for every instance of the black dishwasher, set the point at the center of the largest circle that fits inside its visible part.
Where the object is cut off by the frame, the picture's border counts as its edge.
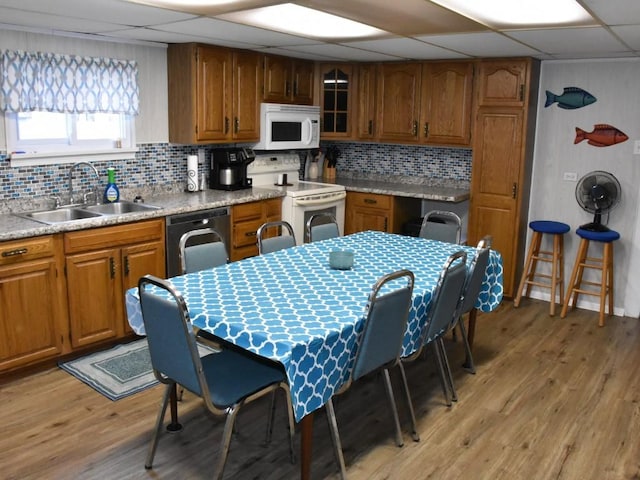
(178, 225)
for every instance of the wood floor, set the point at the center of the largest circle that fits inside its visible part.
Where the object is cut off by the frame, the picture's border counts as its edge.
(552, 399)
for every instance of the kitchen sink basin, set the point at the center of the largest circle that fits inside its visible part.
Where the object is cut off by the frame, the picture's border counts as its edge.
(83, 212)
(59, 215)
(119, 208)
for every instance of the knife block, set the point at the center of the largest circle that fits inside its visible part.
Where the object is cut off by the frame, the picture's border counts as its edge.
(329, 173)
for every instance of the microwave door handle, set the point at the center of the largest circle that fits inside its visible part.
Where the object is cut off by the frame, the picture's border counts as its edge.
(306, 131)
(320, 201)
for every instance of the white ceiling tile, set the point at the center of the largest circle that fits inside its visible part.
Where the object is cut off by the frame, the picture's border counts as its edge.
(405, 48)
(344, 53)
(212, 28)
(54, 22)
(487, 44)
(151, 35)
(594, 40)
(629, 34)
(298, 54)
(616, 12)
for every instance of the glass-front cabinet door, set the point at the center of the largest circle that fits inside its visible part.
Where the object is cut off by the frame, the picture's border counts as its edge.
(336, 98)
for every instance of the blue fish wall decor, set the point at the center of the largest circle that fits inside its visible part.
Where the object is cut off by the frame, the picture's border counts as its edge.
(571, 98)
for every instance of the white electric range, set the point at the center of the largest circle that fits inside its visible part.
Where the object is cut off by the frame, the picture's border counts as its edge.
(303, 198)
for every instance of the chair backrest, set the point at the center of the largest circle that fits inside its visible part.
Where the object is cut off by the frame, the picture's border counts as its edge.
(322, 226)
(445, 303)
(441, 225)
(386, 317)
(475, 275)
(201, 249)
(281, 241)
(172, 344)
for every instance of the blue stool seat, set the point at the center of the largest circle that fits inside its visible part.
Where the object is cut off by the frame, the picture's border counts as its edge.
(530, 276)
(549, 226)
(604, 264)
(608, 236)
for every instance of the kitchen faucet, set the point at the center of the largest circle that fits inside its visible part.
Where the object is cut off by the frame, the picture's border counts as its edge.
(95, 189)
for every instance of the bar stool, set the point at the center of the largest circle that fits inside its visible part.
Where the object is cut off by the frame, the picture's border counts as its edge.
(554, 257)
(604, 264)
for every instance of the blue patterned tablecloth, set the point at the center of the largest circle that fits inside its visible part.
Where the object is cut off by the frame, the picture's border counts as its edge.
(290, 306)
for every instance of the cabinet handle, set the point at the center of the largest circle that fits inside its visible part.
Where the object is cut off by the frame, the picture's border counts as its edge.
(13, 253)
(522, 92)
(126, 264)
(514, 190)
(386, 224)
(295, 89)
(112, 267)
(415, 128)
(370, 127)
(226, 125)
(236, 124)
(426, 129)
(370, 201)
(287, 89)
(250, 234)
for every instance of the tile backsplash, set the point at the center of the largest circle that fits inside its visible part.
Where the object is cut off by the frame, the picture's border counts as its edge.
(163, 165)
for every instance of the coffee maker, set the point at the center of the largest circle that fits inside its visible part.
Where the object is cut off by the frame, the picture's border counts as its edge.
(229, 168)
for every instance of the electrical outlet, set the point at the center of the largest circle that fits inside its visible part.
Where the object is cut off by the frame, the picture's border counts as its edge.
(636, 147)
(570, 176)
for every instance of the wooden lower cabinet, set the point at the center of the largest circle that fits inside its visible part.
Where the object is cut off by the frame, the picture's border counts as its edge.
(246, 218)
(33, 307)
(101, 264)
(385, 213)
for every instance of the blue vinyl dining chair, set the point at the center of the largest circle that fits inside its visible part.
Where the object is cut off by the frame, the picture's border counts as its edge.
(278, 242)
(200, 249)
(445, 305)
(441, 225)
(225, 381)
(379, 347)
(322, 226)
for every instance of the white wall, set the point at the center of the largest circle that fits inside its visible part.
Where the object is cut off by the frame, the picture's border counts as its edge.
(614, 84)
(152, 124)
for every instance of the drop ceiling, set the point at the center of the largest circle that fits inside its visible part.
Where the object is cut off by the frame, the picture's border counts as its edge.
(417, 29)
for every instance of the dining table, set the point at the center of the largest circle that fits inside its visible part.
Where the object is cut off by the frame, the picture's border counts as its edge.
(291, 307)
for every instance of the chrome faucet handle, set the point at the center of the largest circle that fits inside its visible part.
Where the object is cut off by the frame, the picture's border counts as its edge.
(57, 199)
(87, 194)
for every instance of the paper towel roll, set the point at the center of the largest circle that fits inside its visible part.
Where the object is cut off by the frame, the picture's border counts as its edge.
(192, 173)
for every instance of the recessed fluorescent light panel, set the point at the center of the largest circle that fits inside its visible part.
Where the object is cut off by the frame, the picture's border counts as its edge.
(520, 14)
(297, 20)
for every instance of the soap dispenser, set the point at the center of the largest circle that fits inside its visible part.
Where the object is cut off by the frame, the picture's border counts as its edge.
(111, 193)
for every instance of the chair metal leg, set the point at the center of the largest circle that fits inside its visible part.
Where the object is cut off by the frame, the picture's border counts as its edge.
(156, 433)
(292, 423)
(226, 441)
(443, 381)
(468, 364)
(394, 407)
(271, 417)
(405, 385)
(335, 436)
(447, 369)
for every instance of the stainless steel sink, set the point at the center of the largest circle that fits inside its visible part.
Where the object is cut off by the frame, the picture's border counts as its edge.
(119, 208)
(59, 215)
(83, 212)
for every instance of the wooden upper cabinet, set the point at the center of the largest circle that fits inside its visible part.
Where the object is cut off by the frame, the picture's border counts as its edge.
(336, 96)
(446, 103)
(365, 92)
(214, 94)
(287, 80)
(502, 83)
(398, 95)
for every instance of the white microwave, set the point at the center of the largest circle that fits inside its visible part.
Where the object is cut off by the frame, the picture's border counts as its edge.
(288, 127)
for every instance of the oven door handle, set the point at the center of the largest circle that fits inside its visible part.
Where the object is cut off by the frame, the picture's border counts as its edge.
(324, 199)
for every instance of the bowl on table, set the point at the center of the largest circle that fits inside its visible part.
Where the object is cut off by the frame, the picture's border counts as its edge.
(341, 259)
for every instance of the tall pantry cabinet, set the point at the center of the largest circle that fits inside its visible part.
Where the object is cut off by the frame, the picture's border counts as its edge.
(506, 97)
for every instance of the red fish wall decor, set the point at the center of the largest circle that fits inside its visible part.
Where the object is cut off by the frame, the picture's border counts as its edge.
(603, 135)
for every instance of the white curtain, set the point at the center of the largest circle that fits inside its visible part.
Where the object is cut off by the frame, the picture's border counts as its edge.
(31, 81)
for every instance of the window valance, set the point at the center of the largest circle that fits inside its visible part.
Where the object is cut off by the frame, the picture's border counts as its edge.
(36, 81)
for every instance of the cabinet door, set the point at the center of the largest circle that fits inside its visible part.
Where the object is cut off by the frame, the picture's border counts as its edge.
(213, 89)
(366, 102)
(494, 184)
(277, 78)
(31, 312)
(302, 79)
(336, 89)
(399, 101)
(502, 83)
(95, 297)
(446, 103)
(361, 219)
(247, 91)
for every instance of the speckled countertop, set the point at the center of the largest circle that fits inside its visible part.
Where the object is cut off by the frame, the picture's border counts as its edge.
(171, 203)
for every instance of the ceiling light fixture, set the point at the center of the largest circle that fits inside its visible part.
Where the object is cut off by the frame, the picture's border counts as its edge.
(291, 18)
(523, 13)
